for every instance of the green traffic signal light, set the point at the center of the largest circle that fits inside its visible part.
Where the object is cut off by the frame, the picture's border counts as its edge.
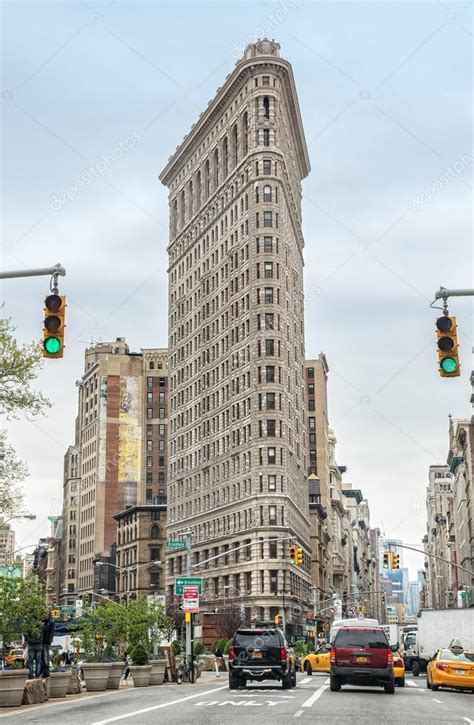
(52, 345)
(448, 365)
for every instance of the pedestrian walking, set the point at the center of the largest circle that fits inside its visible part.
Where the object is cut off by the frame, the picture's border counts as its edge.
(48, 634)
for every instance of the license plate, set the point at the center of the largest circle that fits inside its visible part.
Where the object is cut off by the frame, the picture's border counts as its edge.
(459, 672)
(362, 659)
(257, 655)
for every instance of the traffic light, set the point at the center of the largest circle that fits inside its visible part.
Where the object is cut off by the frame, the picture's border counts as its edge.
(448, 350)
(55, 613)
(293, 550)
(53, 326)
(386, 560)
(395, 560)
(384, 598)
(278, 620)
(299, 556)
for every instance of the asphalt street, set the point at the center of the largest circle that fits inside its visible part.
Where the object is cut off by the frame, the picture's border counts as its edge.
(212, 702)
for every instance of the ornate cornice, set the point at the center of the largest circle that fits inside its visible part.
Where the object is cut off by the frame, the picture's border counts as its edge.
(234, 82)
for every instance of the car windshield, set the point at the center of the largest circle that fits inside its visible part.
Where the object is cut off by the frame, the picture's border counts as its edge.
(447, 655)
(371, 639)
(259, 639)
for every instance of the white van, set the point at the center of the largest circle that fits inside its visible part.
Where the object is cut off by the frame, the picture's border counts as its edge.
(354, 622)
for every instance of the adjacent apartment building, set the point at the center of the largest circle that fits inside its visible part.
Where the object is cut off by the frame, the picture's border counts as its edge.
(118, 460)
(238, 468)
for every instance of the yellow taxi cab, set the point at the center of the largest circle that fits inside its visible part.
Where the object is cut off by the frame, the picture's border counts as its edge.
(16, 654)
(452, 667)
(319, 661)
(398, 668)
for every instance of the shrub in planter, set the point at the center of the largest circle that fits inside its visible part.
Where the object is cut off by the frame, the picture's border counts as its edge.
(198, 649)
(140, 669)
(59, 680)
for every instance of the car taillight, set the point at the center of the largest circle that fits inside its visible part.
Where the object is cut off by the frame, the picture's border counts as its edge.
(390, 658)
(440, 666)
(333, 655)
(283, 653)
(231, 653)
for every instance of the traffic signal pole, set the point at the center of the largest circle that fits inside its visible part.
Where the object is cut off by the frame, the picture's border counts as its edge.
(443, 293)
(54, 272)
(189, 624)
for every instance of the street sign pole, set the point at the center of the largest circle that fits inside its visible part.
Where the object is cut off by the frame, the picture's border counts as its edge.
(189, 624)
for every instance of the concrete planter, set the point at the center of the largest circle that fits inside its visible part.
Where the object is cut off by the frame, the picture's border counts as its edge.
(141, 675)
(12, 686)
(59, 683)
(96, 675)
(157, 672)
(115, 674)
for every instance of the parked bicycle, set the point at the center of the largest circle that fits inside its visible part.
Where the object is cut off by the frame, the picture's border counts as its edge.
(186, 672)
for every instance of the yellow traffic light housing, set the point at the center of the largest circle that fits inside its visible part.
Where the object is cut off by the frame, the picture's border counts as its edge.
(299, 556)
(448, 348)
(293, 550)
(395, 560)
(386, 559)
(53, 326)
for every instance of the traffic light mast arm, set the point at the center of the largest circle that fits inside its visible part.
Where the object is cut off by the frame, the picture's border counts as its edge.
(58, 269)
(255, 542)
(435, 556)
(443, 293)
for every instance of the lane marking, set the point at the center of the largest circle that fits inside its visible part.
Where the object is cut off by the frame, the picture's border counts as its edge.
(326, 682)
(471, 722)
(315, 696)
(299, 713)
(305, 681)
(440, 701)
(83, 698)
(411, 683)
(158, 707)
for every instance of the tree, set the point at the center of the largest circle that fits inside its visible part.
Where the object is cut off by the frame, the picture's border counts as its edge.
(22, 607)
(19, 366)
(230, 618)
(12, 473)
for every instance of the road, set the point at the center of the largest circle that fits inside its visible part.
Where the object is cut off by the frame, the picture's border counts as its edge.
(212, 702)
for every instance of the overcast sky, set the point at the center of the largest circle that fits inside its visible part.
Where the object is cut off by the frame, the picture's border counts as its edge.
(385, 96)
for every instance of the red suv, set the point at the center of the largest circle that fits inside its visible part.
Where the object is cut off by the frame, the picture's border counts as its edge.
(361, 656)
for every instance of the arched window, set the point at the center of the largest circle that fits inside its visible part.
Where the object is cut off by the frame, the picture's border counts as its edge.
(267, 192)
(245, 145)
(206, 180)
(225, 157)
(234, 145)
(215, 180)
(198, 190)
(155, 532)
(266, 107)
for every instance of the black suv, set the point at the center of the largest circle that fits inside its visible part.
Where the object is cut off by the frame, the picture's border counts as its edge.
(260, 654)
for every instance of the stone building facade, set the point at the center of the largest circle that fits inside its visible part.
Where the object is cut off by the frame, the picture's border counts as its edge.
(141, 543)
(70, 519)
(461, 513)
(7, 543)
(238, 463)
(439, 501)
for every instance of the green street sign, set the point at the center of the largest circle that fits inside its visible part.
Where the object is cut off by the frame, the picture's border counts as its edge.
(187, 581)
(175, 544)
